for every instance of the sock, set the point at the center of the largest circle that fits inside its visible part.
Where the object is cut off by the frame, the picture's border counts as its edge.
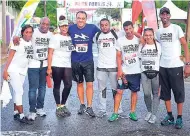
(170, 114)
(15, 112)
(179, 116)
(21, 115)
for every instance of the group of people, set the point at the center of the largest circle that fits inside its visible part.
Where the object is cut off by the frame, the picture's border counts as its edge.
(129, 60)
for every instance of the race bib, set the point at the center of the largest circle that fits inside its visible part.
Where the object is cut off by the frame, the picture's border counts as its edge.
(41, 53)
(131, 60)
(106, 45)
(70, 48)
(81, 47)
(148, 64)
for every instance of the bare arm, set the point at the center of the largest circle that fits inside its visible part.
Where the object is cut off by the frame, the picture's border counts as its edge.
(186, 49)
(50, 54)
(10, 57)
(187, 57)
(119, 63)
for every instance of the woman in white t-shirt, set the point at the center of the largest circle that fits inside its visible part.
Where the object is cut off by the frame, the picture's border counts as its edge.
(149, 55)
(16, 70)
(59, 66)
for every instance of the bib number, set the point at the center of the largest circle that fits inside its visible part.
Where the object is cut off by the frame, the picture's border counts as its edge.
(106, 45)
(81, 47)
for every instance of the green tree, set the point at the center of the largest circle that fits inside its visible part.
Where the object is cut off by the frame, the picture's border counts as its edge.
(51, 11)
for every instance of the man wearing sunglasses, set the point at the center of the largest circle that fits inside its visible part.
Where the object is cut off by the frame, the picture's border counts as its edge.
(171, 37)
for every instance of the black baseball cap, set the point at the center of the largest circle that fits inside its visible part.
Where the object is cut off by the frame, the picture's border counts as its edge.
(164, 9)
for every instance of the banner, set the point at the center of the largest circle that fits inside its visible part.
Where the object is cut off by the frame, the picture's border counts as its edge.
(149, 11)
(24, 17)
(136, 10)
(93, 3)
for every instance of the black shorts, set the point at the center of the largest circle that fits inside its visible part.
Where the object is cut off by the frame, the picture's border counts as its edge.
(83, 70)
(172, 78)
(133, 82)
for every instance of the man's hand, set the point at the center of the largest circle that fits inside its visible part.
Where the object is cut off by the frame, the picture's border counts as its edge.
(49, 72)
(187, 71)
(16, 40)
(119, 74)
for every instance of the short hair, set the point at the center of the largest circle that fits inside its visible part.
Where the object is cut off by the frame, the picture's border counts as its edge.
(104, 19)
(43, 18)
(26, 27)
(62, 17)
(127, 23)
(83, 12)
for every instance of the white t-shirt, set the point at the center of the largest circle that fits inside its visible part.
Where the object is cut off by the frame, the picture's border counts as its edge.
(150, 57)
(61, 55)
(20, 61)
(106, 51)
(129, 50)
(169, 39)
(40, 43)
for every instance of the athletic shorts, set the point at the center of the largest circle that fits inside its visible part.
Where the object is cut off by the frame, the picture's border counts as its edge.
(172, 78)
(81, 70)
(133, 82)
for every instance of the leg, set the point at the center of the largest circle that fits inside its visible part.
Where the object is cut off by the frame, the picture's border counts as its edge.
(146, 84)
(67, 80)
(80, 91)
(117, 100)
(155, 92)
(177, 80)
(33, 78)
(113, 82)
(77, 73)
(42, 88)
(133, 101)
(17, 81)
(56, 74)
(89, 93)
(102, 80)
(165, 94)
(88, 70)
(134, 86)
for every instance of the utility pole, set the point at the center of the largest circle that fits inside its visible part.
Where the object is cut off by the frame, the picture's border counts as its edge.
(3, 26)
(45, 11)
(188, 25)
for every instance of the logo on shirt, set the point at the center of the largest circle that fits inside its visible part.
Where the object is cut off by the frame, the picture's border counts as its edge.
(82, 36)
(166, 37)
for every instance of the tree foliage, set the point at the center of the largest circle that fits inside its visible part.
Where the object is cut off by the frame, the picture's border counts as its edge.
(50, 8)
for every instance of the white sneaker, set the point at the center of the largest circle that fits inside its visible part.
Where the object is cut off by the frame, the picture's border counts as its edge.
(41, 112)
(32, 116)
(152, 119)
(148, 115)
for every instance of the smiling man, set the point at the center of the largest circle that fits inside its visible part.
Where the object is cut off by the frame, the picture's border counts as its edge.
(82, 59)
(171, 37)
(129, 68)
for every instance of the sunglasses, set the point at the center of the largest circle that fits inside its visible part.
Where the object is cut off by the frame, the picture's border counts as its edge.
(147, 29)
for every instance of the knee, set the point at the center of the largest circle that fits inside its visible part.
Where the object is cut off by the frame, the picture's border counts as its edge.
(119, 92)
(133, 94)
(68, 86)
(89, 85)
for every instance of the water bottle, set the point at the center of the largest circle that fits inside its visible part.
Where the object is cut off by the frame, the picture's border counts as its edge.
(120, 83)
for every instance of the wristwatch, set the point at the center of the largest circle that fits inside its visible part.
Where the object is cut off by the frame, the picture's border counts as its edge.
(187, 63)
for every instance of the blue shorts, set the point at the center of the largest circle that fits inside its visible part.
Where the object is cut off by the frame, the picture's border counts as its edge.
(133, 82)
